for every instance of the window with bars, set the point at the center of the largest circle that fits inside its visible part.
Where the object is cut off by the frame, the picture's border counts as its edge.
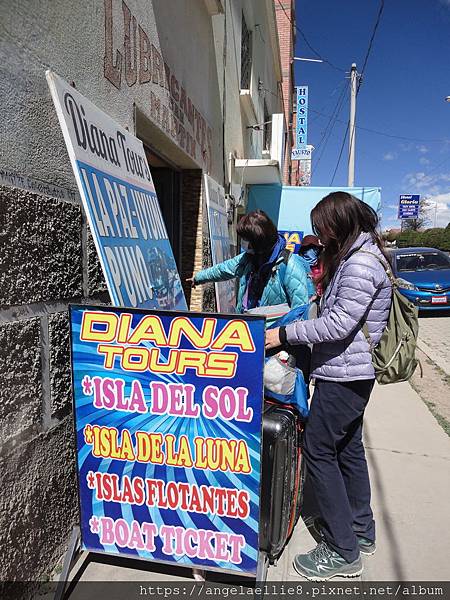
(246, 55)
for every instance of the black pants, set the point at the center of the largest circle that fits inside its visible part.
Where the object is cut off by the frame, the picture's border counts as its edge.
(336, 463)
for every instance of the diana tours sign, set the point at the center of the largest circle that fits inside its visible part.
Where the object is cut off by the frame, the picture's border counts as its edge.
(168, 409)
(409, 206)
(120, 202)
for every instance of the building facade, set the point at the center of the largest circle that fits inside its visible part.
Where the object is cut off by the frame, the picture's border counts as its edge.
(200, 83)
(285, 13)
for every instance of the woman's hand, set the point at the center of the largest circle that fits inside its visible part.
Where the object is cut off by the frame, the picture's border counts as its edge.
(191, 280)
(272, 338)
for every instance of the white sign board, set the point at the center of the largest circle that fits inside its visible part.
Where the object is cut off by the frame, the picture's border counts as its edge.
(220, 242)
(119, 198)
(301, 153)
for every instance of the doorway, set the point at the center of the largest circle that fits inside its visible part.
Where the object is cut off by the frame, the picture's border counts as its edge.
(167, 182)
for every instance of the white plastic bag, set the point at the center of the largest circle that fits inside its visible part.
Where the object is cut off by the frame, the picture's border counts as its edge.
(280, 374)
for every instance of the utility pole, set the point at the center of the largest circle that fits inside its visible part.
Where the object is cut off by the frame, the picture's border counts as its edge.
(352, 129)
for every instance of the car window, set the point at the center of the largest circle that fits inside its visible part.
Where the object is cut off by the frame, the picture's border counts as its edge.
(422, 261)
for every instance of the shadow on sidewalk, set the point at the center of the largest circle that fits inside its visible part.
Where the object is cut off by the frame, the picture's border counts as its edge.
(442, 312)
(390, 545)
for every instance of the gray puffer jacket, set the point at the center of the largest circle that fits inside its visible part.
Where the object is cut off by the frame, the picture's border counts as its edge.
(359, 291)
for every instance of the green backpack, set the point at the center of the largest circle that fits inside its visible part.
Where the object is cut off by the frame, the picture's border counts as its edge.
(394, 357)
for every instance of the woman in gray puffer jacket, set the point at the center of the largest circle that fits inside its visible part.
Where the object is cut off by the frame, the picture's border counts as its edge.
(357, 291)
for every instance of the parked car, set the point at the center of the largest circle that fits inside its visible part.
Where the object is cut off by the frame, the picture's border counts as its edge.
(423, 275)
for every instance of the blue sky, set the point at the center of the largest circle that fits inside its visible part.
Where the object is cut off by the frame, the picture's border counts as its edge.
(402, 94)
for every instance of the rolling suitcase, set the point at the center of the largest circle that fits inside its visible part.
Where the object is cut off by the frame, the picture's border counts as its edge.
(281, 480)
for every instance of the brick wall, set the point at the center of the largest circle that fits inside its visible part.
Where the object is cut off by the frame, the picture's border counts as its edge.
(196, 253)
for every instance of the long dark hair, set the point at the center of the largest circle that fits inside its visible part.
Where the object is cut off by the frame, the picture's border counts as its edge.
(257, 228)
(338, 220)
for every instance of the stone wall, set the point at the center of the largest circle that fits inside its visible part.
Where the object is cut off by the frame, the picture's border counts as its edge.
(47, 261)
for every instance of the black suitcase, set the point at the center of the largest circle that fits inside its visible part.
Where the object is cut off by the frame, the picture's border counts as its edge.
(281, 477)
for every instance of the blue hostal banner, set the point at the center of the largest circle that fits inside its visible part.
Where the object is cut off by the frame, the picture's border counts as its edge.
(301, 129)
(168, 410)
(290, 207)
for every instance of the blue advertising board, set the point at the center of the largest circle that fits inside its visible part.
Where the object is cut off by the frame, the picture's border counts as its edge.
(290, 207)
(168, 412)
(120, 202)
(293, 239)
(409, 206)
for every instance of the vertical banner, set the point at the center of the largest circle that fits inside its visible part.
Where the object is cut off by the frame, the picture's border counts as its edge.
(220, 242)
(168, 412)
(301, 127)
(120, 202)
(409, 206)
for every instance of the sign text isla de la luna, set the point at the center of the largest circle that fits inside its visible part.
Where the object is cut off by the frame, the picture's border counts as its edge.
(168, 419)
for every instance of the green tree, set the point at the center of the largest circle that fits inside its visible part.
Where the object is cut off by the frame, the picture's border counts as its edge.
(422, 220)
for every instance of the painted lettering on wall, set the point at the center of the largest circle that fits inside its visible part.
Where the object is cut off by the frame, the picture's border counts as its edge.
(138, 61)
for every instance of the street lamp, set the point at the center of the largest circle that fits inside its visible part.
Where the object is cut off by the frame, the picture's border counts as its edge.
(312, 60)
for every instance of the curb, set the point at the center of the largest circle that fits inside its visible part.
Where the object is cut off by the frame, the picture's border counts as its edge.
(434, 356)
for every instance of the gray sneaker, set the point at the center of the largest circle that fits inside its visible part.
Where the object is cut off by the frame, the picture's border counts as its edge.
(323, 563)
(366, 546)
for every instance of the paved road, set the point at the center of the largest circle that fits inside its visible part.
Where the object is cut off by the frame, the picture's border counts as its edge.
(434, 340)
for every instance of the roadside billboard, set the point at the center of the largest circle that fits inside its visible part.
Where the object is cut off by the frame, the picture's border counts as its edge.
(220, 242)
(168, 412)
(120, 202)
(408, 206)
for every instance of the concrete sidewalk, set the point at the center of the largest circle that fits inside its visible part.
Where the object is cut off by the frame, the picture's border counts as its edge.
(409, 458)
(409, 462)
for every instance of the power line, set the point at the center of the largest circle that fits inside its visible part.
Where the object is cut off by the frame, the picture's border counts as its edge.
(369, 49)
(334, 112)
(330, 126)
(397, 137)
(325, 60)
(433, 168)
(366, 59)
(340, 153)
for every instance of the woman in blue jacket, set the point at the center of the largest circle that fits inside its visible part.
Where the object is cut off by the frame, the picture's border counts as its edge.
(268, 273)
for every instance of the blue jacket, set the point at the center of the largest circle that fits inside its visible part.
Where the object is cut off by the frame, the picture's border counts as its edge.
(293, 288)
